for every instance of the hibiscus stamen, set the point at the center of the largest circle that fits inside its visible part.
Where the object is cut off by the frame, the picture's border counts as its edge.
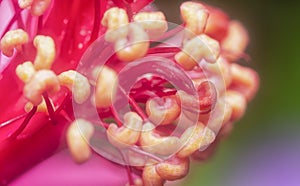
(116, 115)
(40, 23)
(46, 52)
(20, 20)
(158, 50)
(12, 120)
(154, 23)
(42, 81)
(78, 135)
(150, 141)
(76, 83)
(49, 107)
(66, 116)
(67, 41)
(195, 16)
(126, 135)
(138, 5)
(129, 10)
(97, 19)
(135, 106)
(196, 49)
(106, 86)
(25, 71)
(163, 110)
(24, 124)
(13, 39)
(157, 106)
(63, 104)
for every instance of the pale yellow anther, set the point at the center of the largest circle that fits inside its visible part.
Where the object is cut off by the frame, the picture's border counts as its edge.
(218, 117)
(195, 16)
(13, 39)
(25, 71)
(115, 19)
(78, 135)
(220, 68)
(128, 134)
(42, 81)
(154, 23)
(38, 7)
(45, 52)
(77, 83)
(196, 49)
(25, 3)
(106, 87)
(154, 143)
(162, 111)
(237, 102)
(236, 41)
(188, 102)
(151, 177)
(194, 138)
(173, 169)
(244, 80)
(134, 46)
(42, 107)
(219, 73)
(95, 72)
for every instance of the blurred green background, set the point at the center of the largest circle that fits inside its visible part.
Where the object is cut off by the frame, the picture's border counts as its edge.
(267, 138)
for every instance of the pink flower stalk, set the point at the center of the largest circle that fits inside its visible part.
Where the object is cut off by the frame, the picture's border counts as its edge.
(112, 78)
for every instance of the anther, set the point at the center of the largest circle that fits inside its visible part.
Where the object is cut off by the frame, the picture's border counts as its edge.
(195, 16)
(196, 49)
(173, 168)
(25, 3)
(156, 144)
(128, 134)
(203, 102)
(235, 42)
(134, 46)
(115, 19)
(25, 71)
(45, 52)
(78, 135)
(221, 73)
(237, 102)
(244, 80)
(38, 7)
(151, 177)
(77, 84)
(42, 81)
(42, 107)
(154, 23)
(106, 87)
(162, 111)
(194, 138)
(13, 39)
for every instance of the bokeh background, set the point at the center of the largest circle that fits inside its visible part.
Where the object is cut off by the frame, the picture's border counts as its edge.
(264, 148)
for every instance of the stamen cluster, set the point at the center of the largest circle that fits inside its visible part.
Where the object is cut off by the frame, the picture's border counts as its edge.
(166, 126)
